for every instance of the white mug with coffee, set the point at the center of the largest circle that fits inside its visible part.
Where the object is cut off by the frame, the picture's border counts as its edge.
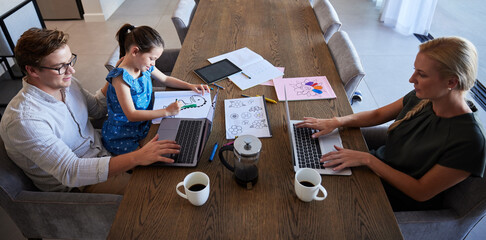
(308, 184)
(196, 188)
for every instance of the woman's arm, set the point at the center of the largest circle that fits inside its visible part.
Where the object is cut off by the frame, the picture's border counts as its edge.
(177, 83)
(134, 115)
(436, 180)
(361, 119)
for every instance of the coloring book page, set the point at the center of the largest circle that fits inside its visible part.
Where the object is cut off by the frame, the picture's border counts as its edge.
(197, 105)
(303, 88)
(246, 116)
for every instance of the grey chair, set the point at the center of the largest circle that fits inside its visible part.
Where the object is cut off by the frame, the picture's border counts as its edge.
(347, 62)
(58, 215)
(327, 17)
(182, 17)
(164, 63)
(464, 205)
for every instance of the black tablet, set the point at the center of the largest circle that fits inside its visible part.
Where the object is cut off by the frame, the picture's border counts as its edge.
(217, 71)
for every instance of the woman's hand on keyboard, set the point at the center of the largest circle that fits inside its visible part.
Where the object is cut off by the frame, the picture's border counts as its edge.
(343, 158)
(324, 126)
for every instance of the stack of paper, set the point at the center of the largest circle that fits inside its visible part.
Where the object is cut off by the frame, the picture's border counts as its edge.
(255, 69)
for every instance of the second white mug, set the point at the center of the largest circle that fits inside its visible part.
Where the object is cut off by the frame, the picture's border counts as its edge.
(196, 188)
(308, 184)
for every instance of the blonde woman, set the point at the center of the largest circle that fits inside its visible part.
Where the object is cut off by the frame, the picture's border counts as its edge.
(436, 140)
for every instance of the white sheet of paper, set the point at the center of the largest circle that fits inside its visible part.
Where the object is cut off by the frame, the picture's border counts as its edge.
(246, 116)
(203, 103)
(241, 57)
(252, 64)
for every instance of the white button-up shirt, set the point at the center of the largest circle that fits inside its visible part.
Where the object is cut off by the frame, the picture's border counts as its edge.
(53, 141)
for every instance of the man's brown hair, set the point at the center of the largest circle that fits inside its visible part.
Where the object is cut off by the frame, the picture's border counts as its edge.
(35, 44)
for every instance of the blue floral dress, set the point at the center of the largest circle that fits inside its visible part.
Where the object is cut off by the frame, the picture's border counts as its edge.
(118, 134)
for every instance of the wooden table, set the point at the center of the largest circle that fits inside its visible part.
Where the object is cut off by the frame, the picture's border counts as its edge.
(286, 33)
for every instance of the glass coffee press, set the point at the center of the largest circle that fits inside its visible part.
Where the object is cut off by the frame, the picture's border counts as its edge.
(246, 152)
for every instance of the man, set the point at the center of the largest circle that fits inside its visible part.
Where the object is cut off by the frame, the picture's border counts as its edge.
(46, 129)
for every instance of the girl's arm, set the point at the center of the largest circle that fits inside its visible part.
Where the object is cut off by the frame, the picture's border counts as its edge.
(177, 83)
(134, 115)
(436, 180)
(361, 119)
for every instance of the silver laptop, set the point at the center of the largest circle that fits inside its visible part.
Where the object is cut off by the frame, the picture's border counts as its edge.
(190, 133)
(307, 151)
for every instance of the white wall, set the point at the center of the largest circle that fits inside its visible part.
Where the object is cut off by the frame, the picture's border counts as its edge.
(99, 10)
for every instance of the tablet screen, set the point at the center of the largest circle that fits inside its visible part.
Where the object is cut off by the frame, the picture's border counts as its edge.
(217, 71)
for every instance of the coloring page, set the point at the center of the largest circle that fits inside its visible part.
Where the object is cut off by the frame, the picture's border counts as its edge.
(195, 105)
(246, 116)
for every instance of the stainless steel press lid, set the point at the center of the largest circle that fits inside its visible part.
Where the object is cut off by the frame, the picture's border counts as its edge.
(247, 145)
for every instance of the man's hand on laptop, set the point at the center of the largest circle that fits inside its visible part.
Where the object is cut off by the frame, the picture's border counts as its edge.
(152, 151)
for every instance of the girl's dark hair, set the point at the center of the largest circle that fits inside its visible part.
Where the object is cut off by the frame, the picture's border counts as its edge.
(144, 37)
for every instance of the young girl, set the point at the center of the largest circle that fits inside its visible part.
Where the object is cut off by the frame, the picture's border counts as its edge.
(129, 93)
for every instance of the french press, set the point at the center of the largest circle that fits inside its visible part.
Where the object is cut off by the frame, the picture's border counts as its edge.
(246, 150)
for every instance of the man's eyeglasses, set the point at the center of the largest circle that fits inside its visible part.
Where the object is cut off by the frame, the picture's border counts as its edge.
(62, 69)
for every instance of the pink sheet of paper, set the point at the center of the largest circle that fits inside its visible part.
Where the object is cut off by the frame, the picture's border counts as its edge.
(270, 82)
(304, 88)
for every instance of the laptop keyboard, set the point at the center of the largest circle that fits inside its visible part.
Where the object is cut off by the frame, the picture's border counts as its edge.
(187, 138)
(308, 150)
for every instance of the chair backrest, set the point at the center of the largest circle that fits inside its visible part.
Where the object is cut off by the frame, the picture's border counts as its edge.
(327, 17)
(182, 17)
(347, 62)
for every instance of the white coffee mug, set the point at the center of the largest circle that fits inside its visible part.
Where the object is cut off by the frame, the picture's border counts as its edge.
(307, 185)
(196, 188)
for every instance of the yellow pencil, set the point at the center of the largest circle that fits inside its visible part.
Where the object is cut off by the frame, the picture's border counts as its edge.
(268, 99)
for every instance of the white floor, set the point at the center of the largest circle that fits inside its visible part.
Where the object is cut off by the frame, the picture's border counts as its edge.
(387, 56)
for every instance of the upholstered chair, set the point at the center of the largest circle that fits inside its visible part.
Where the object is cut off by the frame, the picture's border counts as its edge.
(327, 17)
(347, 62)
(56, 215)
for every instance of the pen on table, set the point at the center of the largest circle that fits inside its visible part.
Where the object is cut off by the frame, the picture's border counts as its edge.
(218, 86)
(213, 152)
(246, 75)
(268, 99)
(244, 95)
(229, 143)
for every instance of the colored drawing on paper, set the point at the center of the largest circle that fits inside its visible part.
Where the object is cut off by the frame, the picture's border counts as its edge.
(304, 88)
(308, 88)
(194, 101)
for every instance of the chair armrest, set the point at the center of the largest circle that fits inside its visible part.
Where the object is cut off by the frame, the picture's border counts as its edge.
(67, 198)
(375, 136)
(423, 217)
(64, 215)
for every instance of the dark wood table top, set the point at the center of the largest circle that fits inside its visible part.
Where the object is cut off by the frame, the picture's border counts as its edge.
(286, 33)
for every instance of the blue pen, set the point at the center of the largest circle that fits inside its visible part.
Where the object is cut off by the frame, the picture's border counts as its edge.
(218, 86)
(213, 152)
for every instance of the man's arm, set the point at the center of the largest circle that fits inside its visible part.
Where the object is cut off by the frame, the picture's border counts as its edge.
(35, 140)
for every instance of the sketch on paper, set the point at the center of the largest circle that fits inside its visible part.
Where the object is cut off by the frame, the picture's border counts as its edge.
(197, 106)
(246, 116)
